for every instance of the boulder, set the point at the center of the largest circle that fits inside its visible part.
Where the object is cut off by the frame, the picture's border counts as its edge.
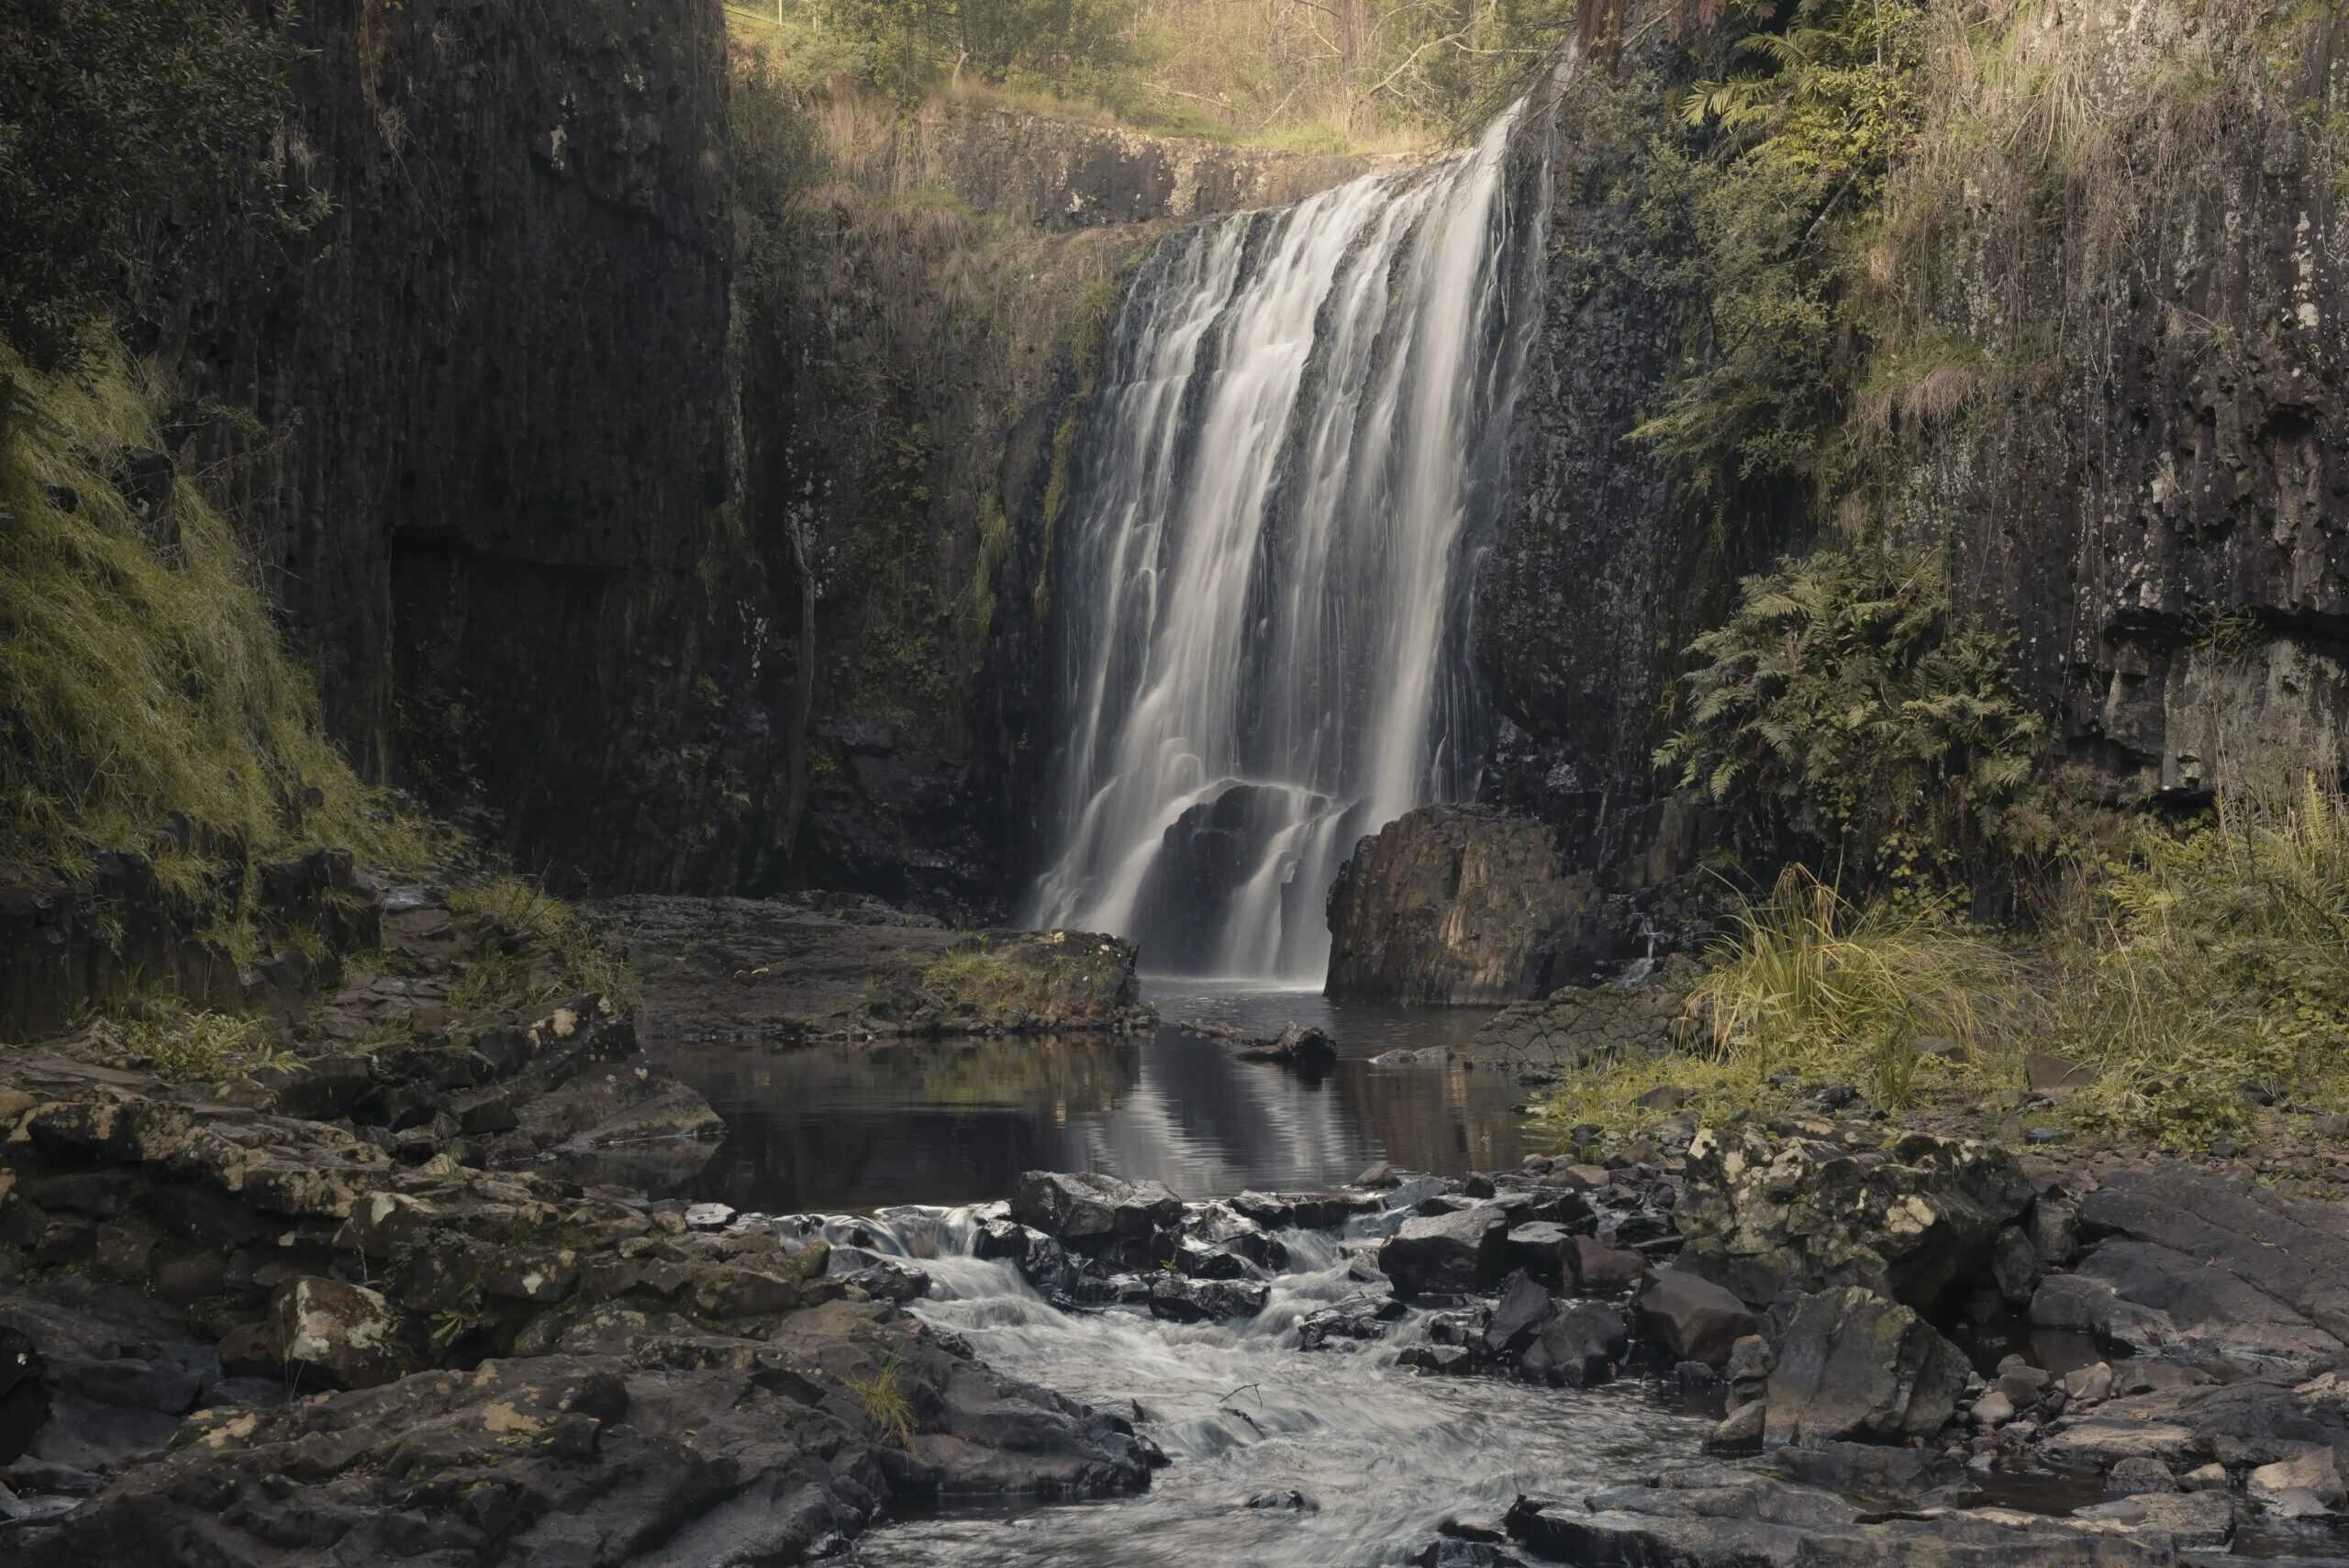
(1088, 1209)
(1542, 1249)
(1577, 1347)
(2198, 1521)
(1039, 1258)
(343, 1335)
(1180, 1300)
(2015, 1265)
(1461, 904)
(1579, 1024)
(1903, 1222)
(1852, 1364)
(2141, 1473)
(1596, 1269)
(1696, 1319)
(1462, 1251)
(2306, 1486)
(1517, 1317)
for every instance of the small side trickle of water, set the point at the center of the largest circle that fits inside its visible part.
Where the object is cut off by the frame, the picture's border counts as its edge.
(1380, 1455)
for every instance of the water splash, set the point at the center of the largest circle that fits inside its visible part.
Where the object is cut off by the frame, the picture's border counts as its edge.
(1280, 491)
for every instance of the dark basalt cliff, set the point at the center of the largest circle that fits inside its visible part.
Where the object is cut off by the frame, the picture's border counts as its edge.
(2138, 482)
(490, 487)
(2158, 512)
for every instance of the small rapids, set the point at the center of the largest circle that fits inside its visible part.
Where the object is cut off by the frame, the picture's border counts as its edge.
(1380, 1455)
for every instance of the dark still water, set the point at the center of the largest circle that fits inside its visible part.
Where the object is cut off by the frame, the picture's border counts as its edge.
(956, 1121)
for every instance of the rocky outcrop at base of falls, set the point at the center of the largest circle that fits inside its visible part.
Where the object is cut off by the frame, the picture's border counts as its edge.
(821, 967)
(1467, 905)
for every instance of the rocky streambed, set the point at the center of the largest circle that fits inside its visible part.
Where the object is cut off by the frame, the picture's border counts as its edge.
(346, 1311)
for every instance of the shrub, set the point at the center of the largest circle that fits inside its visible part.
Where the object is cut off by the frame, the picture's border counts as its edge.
(109, 109)
(1848, 699)
(2200, 970)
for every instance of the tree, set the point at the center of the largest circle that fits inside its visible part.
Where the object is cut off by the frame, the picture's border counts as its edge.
(906, 47)
(109, 109)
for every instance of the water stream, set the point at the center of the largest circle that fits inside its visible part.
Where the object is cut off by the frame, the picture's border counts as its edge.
(1280, 491)
(1380, 1455)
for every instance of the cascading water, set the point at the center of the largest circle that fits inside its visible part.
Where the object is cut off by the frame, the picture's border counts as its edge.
(1280, 491)
(1279, 1457)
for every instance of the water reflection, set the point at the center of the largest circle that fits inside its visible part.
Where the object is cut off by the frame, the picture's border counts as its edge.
(947, 1122)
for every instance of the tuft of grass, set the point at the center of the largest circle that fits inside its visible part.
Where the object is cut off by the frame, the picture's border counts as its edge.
(885, 1401)
(1814, 984)
(186, 1047)
(580, 957)
(972, 978)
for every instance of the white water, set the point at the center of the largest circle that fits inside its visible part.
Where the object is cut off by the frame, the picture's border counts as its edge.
(1278, 499)
(1385, 1453)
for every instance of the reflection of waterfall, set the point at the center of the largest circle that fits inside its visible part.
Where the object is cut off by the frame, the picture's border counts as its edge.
(1279, 491)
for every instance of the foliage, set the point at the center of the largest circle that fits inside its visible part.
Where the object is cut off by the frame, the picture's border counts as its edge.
(1300, 75)
(183, 1046)
(2193, 970)
(109, 109)
(1814, 984)
(906, 47)
(2200, 969)
(145, 699)
(1772, 177)
(1847, 696)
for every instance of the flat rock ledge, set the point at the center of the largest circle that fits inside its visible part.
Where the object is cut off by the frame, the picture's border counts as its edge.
(784, 969)
(233, 1335)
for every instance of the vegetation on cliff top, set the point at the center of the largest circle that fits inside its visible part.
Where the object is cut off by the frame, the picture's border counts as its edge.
(1304, 76)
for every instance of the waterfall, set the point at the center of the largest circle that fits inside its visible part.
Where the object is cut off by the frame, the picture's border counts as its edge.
(1280, 489)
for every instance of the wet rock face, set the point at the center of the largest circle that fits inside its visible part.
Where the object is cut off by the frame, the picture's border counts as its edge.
(1852, 1364)
(1457, 905)
(615, 1377)
(58, 959)
(1760, 1217)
